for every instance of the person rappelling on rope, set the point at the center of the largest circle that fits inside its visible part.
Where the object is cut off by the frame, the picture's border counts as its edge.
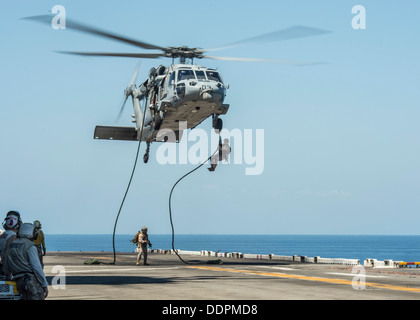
(223, 154)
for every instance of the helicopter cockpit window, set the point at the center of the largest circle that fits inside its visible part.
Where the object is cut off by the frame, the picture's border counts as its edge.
(185, 75)
(171, 78)
(213, 75)
(200, 75)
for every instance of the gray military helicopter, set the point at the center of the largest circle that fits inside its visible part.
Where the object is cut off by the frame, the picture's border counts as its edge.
(182, 92)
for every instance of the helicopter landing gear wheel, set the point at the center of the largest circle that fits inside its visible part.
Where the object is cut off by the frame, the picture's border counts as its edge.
(218, 125)
(146, 154)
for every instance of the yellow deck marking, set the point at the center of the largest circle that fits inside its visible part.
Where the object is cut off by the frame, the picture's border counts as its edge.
(319, 279)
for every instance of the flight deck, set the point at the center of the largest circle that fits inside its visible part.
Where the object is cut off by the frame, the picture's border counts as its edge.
(212, 279)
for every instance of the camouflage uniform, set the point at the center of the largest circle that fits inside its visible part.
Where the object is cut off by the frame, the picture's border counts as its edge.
(142, 242)
(30, 288)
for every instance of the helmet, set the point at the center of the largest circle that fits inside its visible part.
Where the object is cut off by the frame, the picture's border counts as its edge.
(12, 220)
(26, 230)
(37, 224)
(144, 229)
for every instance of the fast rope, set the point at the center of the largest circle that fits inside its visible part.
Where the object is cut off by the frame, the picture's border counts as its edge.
(129, 182)
(170, 197)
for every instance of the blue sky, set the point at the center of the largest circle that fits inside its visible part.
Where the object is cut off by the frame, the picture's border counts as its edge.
(342, 147)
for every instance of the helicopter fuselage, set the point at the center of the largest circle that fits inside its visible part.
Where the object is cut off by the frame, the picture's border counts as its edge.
(180, 93)
(191, 93)
(176, 98)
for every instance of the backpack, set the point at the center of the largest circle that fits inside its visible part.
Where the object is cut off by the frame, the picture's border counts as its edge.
(136, 238)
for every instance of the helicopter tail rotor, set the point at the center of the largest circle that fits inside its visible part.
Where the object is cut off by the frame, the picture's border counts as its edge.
(129, 89)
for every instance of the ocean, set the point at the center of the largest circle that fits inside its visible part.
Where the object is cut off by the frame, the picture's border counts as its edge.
(397, 248)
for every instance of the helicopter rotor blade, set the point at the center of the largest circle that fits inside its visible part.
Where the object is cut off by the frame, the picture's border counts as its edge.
(70, 24)
(280, 35)
(115, 54)
(122, 108)
(135, 74)
(288, 62)
(240, 59)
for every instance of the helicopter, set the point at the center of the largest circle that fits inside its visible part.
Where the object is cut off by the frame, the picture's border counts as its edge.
(174, 95)
(182, 92)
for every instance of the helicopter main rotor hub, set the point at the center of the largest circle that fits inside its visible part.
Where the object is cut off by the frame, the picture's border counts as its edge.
(183, 52)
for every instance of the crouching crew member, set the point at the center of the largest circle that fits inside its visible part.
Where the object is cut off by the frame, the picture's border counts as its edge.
(23, 263)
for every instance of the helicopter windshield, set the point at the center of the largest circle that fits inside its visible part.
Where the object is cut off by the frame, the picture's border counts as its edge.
(185, 75)
(213, 75)
(200, 75)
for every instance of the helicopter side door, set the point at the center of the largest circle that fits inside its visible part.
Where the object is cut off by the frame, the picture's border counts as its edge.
(163, 88)
(171, 81)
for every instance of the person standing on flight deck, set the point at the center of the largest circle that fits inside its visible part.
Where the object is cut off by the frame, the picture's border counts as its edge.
(142, 240)
(39, 241)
